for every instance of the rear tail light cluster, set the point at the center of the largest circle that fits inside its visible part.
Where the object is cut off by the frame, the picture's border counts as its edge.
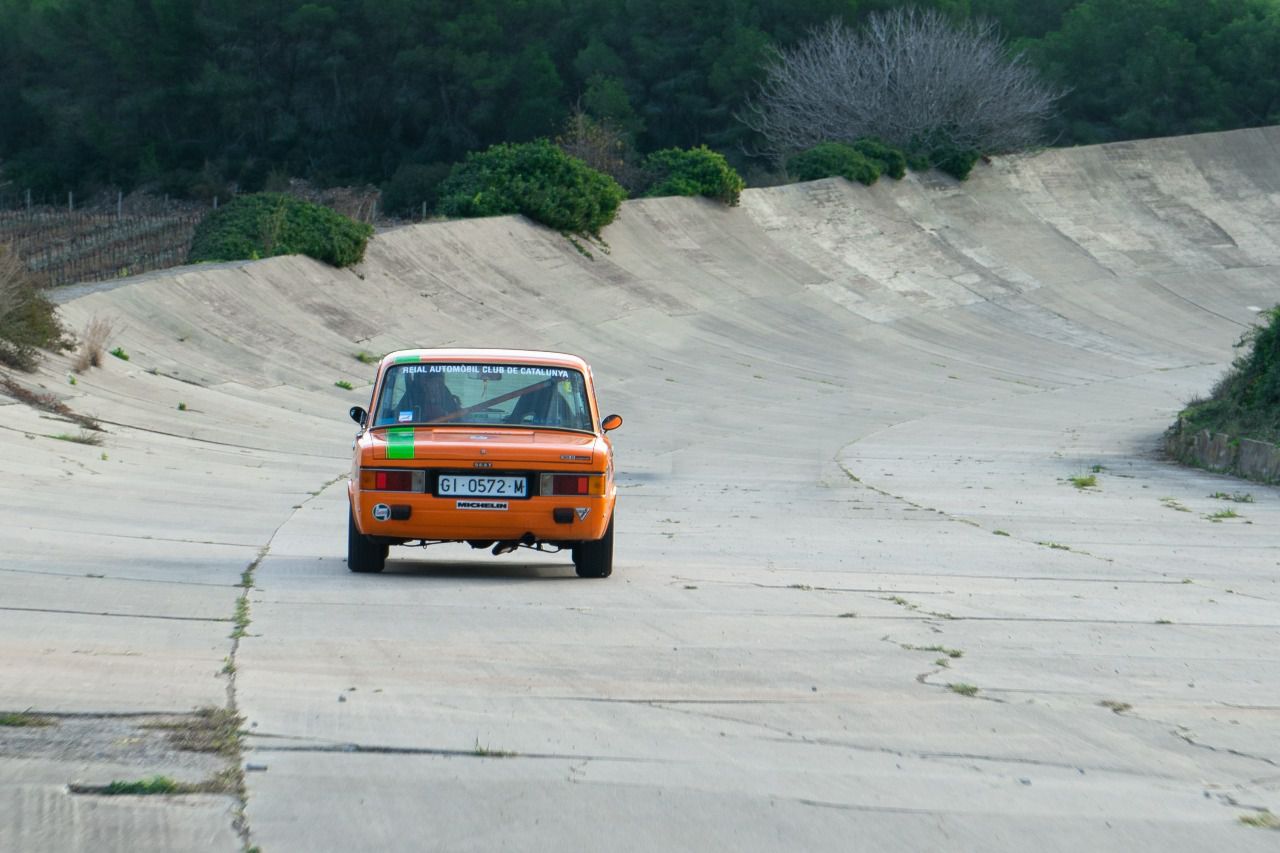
(572, 484)
(392, 480)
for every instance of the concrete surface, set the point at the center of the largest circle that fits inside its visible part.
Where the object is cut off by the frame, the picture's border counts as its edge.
(852, 419)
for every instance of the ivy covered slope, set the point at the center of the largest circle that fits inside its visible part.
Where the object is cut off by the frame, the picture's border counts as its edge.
(1246, 401)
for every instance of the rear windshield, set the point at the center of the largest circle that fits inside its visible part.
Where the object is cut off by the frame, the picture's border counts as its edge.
(484, 394)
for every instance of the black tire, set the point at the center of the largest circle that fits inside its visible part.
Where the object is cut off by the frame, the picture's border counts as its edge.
(595, 559)
(363, 554)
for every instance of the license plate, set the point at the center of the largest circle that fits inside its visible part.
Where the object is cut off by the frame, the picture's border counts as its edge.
(473, 487)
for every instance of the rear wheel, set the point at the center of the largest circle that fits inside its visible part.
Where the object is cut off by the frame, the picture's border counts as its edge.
(363, 554)
(595, 559)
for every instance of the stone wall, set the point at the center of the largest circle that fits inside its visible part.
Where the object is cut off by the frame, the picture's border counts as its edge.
(1244, 457)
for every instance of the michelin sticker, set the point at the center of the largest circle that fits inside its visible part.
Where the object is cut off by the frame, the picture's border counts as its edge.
(382, 512)
(491, 505)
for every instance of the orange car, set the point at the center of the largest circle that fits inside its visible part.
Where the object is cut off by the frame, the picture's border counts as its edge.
(501, 448)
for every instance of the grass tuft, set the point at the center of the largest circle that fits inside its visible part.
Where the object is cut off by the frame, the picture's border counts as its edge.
(25, 719)
(119, 353)
(82, 437)
(1116, 706)
(1261, 820)
(963, 689)
(1084, 481)
(344, 385)
(93, 344)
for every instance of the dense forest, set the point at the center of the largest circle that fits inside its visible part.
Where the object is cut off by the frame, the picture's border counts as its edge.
(200, 97)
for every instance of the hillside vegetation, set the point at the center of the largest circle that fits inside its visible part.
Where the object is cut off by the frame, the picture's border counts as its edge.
(1246, 401)
(198, 99)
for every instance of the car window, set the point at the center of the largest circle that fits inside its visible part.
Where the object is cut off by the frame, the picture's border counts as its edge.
(484, 394)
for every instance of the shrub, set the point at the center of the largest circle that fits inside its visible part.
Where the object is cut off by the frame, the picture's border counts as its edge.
(412, 186)
(28, 321)
(832, 159)
(892, 161)
(263, 225)
(695, 171)
(1246, 401)
(537, 180)
(955, 161)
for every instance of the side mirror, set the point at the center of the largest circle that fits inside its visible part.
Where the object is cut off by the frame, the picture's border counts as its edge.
(358, 415)
(611, 422)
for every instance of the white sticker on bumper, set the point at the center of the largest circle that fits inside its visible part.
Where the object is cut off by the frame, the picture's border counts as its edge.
(490, 505)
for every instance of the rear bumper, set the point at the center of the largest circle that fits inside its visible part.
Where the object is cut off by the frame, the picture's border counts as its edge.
(583, 518)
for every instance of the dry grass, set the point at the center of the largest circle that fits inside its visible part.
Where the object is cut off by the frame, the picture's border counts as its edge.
(28, 321)
(93, 344)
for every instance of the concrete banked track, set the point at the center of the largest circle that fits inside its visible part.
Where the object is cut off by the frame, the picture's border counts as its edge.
(838, 401)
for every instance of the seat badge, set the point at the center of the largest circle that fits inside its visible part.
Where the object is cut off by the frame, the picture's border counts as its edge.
(382, 512)
(582, 512)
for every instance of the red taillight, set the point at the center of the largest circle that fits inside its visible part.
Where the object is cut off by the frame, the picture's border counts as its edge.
(569, 484)
(393, 481)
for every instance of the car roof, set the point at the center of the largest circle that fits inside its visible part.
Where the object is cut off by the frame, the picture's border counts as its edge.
(487, 355)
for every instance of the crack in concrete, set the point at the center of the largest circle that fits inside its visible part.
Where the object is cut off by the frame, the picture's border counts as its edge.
(243, 448)
(91, 576)
(445, 752)
(114, 615)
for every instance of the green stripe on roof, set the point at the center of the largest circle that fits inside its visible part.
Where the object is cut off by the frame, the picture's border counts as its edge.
(408, 359)
(400, 443)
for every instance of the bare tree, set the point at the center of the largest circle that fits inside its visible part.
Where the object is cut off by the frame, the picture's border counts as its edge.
(603, 146)
(911, 78)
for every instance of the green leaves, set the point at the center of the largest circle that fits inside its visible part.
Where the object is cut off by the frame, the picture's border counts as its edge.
(263, 225)
(696, 171)
(535, 179)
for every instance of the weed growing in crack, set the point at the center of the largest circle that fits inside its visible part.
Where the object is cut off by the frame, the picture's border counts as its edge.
(1097, 469)
(226, 782)
(1223, 514)
(1261, 820)
(82, 437)
(486, 752)
(365, 357)
(119, 353)
(963, 689)
(849, 615)
(801, 586)
(1164, 621)
(1084, 481)
(951, 653)
(241, 617)
(1236, 497)
(1057, 546)
(1000, 532)
(1116, 706)
(209, 729)
(344, 385)
(25, 719)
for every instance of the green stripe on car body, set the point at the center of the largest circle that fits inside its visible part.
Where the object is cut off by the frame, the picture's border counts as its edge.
(400, 443)
(408, 359)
